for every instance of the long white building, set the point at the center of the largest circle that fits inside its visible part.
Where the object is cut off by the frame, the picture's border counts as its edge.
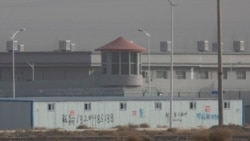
(107, 112)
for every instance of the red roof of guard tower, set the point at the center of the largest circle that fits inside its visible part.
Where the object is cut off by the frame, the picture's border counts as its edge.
(121, 44)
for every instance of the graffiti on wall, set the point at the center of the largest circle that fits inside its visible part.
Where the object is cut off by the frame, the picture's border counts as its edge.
(177, 116)
(206, 115)
(71, 120)
(134, 113)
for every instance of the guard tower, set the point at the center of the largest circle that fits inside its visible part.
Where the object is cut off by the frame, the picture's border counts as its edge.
(121, 64)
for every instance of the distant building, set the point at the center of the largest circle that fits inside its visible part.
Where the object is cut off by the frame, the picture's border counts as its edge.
(120, 69)
(120, 66)
(107, 112)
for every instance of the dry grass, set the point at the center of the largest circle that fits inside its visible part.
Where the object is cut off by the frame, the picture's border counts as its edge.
(133, 126)
(106, 133)
(144, 125)
(82, 127)
(131, 133)
(162, 126)
(201, 135)
(133, 137)
(214, 134)
(220, 134)
(172, 130)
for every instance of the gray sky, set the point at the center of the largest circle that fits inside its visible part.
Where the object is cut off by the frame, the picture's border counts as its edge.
(92, 23)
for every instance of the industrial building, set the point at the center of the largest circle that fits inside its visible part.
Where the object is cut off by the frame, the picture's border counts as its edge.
(194, 72)
(107, 112)
(120, 68)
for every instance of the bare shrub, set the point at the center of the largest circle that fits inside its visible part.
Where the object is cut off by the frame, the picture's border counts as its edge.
(133, 137)
(162, 126)
(184, 131)
(122, 128)
(106, 133)
(89, 133)
(172, 130)
(144, 125)
(82, 127)
(39, 128)
(220, 134)
(201, 136)
(133, 126)
(238, 130)
(146, 138)
(119, 126)
(126, 130)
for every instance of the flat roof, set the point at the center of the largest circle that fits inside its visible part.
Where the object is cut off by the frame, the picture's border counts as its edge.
(107, 98)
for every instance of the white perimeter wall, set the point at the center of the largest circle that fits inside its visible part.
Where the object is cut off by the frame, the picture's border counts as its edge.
(107, 114)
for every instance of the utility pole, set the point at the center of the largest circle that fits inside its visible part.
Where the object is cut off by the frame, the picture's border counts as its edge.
(172, 64)
(220, 69)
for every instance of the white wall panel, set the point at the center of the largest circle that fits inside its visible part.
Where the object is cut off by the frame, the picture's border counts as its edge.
(107, 114)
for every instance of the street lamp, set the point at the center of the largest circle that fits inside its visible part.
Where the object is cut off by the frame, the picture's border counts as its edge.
(149, 74)
(33, 70)
(12, 38)
(172, 64)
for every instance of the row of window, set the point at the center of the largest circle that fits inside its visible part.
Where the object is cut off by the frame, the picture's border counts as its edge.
(123, 106)
(193, 106)
(87, 106)
(122, 62)
(240, 75)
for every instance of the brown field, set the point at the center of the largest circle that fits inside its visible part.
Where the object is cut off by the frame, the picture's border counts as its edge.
(131, 133)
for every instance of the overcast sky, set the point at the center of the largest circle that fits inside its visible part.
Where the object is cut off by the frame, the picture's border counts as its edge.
(92, 23)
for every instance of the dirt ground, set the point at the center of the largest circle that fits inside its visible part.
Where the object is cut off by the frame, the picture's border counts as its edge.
(230, 130)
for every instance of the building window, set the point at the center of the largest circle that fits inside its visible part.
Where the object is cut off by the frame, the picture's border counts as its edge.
(225, 74)
(104, 62)
(133, 63)
(124, 63)
(241, 75)
(202, 75)
(180, 75)
(145, 74)
(124, 57)
(104, 69)
(115, 62)
(87, 106)
(51, 107)
(124, 68)
(227, 105)
(115, 68)
(133, 57)
(104, 57)
(19, 75)
(123, 106)
(192, 105)
(161, 74)
(133, 68)
(115, 57)
(158, 105)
